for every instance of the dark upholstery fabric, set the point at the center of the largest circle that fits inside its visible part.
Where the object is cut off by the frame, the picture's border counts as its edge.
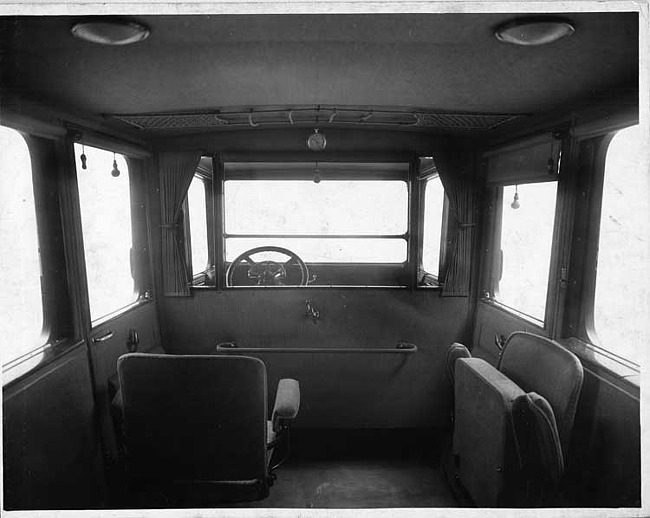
(176, 171)
(455, 352)
(548, 451)
(540, 365)
(538, 447)
(194, 418)
(454, 167)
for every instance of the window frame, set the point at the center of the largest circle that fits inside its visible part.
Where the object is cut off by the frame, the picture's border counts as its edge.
(205, 277)
(140, 260)
(426, 279)
(49, 330)
(66, 314)
(572, 275)
(493, 264)
(580, 324)
(401, 276)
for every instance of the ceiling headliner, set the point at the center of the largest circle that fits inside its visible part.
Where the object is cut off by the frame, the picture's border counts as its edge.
(435, 62)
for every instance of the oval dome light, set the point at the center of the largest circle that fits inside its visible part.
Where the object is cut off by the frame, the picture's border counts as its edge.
(531, 32)
(110, 31)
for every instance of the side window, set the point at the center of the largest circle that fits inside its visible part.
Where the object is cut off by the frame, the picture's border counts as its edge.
(433, 222)
(622, 289)
(22, 324)
(525, 219)
(105, 202)
(196, 223)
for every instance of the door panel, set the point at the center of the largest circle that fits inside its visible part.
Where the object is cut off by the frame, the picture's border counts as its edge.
(52, 455)
(604, 465)
(493, 321)
(108, 342)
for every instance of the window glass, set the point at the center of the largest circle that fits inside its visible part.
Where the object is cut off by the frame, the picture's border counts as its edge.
(316, 250)
(623, 274)
(526, 241)
(198, 225)
(21, 305)
(107, 231)
(321, 222)
(434, 197)
(304, 207)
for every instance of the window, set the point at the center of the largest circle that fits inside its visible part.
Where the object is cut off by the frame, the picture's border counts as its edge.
(433, 221)
(622, 289)
(527, 215)
(353, 214)
(321, 222)
(105, 203)
(197, 224)
(21, 304)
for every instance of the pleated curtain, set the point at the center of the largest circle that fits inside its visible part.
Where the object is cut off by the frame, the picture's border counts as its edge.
(176, 172)
(454, 170)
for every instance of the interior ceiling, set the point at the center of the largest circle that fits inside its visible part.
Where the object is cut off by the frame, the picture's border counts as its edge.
(436, 62)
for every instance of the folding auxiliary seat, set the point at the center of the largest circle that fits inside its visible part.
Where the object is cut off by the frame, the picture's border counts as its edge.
(512, 424)
(196, 426)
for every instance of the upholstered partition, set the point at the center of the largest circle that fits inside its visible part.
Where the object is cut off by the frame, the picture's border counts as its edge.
(339, 390)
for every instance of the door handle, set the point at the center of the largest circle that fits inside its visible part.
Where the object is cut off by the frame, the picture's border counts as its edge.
(132, 341)
(106, 336)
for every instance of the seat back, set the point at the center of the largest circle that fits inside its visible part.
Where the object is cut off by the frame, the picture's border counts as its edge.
(537, 364)
(194, 418)
(483, 454)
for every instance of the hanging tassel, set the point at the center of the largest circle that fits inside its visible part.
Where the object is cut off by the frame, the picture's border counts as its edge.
(515, 202)
(83, 158)
(115, 172)
(317, 174)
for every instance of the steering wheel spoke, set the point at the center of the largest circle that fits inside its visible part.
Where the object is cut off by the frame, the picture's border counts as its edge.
(248, 259)
(268, 272)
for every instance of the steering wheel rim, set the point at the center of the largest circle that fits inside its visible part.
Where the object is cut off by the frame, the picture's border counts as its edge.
(246, 256)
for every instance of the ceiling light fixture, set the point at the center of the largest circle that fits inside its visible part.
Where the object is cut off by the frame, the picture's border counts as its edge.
(535, 31)
(110, 31)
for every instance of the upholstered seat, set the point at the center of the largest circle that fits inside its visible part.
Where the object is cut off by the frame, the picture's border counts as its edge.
(201, 421)
(512, 424)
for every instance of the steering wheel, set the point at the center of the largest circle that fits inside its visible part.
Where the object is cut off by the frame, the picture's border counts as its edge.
(292, 272)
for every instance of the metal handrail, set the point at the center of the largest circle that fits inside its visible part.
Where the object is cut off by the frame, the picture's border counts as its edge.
(400, 348)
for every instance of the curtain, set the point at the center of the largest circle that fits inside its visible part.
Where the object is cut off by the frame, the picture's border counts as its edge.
(176, 172)
(455, 171)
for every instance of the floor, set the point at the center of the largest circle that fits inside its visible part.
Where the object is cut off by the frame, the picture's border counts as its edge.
(353, 469)
(357, 484)
(360, 469)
